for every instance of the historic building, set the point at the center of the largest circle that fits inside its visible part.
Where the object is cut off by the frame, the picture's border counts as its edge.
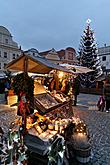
(104, 54)
(67, 55)
(32, 52)
(51, 55)
(9, 49)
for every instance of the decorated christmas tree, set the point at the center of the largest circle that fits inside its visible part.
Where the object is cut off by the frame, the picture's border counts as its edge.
(88, 56)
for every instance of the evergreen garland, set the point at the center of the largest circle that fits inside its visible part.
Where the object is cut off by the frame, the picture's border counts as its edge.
(23, 83)
(56, 151)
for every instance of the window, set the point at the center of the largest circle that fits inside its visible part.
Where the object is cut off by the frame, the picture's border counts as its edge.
(14, 56)
(33, 54)
(0, 65)
(5, 65)
(104, 58)
(5, 54)
(70, 56)
(104, 68)
(6, 41)
(0, 53)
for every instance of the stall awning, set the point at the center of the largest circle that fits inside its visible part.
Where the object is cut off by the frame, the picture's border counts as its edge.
(76, 69)
(34, 65)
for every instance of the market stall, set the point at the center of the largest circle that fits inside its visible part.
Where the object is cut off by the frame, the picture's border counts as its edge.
(53, 114)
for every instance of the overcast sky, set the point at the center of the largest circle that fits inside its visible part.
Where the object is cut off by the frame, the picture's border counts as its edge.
(46, 24)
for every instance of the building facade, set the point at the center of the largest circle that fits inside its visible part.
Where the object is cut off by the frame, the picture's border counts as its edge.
(9, 49)
(104, 55)
(67, 55)
(51, 55)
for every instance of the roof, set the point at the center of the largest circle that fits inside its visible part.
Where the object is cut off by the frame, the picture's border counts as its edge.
(31, 50)
(34, 65)
(101, 78)
(70, 49)
(44, 53)
(5, 31)
(76, 69)
(61, 53)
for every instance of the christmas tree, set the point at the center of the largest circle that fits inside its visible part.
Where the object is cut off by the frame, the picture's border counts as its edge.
(89, 57)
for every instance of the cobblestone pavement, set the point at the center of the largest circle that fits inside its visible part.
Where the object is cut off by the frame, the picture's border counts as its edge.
(99, 128)
(97, 122)
(7, 116)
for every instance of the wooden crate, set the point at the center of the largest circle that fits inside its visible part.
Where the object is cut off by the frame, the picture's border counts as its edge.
(43, 108)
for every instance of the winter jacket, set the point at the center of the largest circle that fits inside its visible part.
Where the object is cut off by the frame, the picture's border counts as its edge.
(76, 86)
(106, 91)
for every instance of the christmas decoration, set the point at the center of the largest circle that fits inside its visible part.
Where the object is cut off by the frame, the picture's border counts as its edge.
(16, 148)
(22, 83)
(89, 57)
(56, 151)
(12, 148)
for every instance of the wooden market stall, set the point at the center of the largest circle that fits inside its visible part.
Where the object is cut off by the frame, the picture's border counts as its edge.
(53, 110)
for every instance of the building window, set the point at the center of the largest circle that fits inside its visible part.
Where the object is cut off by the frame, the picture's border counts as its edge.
(5, 65)
(104, 68)
(5, 54)
(6, 41)
(33, 54)
(0, 53)
(70, 56)
(0, 65)
(104, 58)
(14, 56)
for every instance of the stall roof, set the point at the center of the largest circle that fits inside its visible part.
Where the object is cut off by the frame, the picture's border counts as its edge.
(34, 64)
(77, 69)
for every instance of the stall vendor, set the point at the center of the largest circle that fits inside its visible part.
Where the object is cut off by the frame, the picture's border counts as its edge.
(54, 84)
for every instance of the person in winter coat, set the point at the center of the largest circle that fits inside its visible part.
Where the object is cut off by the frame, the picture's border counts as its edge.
(75, 89)
(106, 92)
(101, 103)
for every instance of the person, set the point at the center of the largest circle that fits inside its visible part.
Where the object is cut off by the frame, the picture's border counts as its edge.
(7, 87)
(2, 86)
(106, 92)
(65, 87)
(75, 88)
(54, 83)
(101, 103)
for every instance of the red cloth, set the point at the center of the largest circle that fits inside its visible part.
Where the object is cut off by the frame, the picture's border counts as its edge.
(23, 105)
